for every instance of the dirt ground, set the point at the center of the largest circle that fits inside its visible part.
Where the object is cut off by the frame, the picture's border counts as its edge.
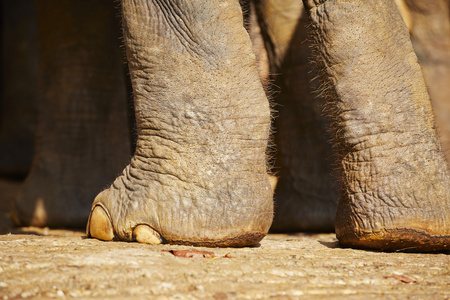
(47, 264)
(43, 264)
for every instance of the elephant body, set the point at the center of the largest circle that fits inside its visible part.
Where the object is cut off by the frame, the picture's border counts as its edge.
(199, 173)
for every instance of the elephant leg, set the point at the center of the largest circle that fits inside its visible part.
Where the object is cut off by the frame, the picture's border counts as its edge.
(396, 187)
(82, 138)
(307, 192)
(198, 175)
(18, 108)
(254, 30)
(430, 34)
(8, 189)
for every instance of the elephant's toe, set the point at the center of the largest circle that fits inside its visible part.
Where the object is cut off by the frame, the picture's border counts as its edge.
(147, 235)
(99, 225)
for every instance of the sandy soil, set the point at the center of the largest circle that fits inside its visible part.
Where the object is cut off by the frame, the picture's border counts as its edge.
(42, 263)
(46, 264)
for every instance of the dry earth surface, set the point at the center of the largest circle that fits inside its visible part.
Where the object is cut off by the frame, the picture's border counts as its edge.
(50, 264)
(42, 264)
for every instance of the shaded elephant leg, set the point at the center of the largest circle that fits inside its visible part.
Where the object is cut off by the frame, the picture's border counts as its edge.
(307, 192)
(8, 189)
(430, 34)
(395, 178)
(82, 139)
(18, 105)
(262, 61)
(198, 175)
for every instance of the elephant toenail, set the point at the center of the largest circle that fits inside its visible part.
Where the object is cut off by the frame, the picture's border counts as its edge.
(100, 226)
(147, 235)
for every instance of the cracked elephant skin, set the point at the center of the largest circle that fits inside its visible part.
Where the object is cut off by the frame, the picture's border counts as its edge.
(199, 171)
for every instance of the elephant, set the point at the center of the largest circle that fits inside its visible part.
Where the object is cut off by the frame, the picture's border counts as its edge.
(199, 172)
(80, 95)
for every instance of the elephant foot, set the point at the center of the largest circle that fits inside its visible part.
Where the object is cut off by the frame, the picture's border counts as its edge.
(101, 228)
(198, 175)
(408, 239)
(67, 172)
(404, 205)
(395, 180)
(156, 208)
(43, 203)
(53, 199)
(8, 189)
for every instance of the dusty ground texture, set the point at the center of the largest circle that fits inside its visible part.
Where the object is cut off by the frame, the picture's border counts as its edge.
(48, 264)
(42, 263)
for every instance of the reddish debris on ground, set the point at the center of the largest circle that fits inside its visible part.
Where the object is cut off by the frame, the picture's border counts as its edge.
(196, 253)
(192, 253)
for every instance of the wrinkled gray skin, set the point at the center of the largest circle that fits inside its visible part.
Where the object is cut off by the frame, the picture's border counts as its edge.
(82, 141)
(307, 190)
(198, 175)
(395, 181)
(394, 174)
(430, 34)
(199, 171)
